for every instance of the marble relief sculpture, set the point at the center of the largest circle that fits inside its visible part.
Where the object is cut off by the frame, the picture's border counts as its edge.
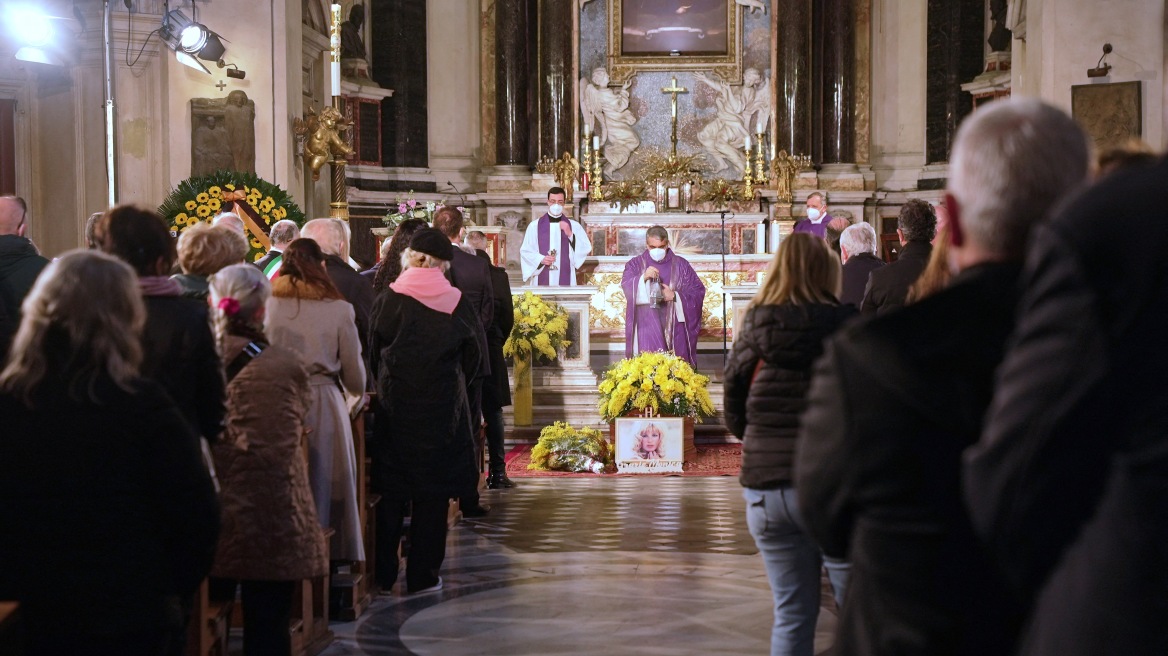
(606, 114)
(739, 112)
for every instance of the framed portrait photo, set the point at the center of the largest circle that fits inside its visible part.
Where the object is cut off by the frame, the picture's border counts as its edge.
(650, 445)
(646, 35)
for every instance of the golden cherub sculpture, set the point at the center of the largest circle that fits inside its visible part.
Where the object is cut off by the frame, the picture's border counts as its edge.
(565, 169)
(323, 140)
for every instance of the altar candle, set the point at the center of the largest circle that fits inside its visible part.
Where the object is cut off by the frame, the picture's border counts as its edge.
(595, 142)
(335, 45)
(587, 130)
(761, 125)
(760, 243)
(748, 143)
(774, 236)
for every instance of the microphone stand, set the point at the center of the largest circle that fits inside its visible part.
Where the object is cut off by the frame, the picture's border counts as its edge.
(725, 351)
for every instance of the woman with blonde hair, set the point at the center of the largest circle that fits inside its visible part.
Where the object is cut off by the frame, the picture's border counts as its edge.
(204, 249)
(649, 442)
(308, 315)
(424, 350)
(109, 516)
(271, 537)
(767, 379)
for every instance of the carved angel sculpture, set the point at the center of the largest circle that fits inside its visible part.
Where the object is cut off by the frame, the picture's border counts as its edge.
(606, 112)
(322, 137)
(739, 112)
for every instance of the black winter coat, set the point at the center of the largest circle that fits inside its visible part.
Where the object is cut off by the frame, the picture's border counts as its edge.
(855, 277)
(766, 382)
(421, 360)
(357, 290)
(888, 286)
(472, 276)
(1069, 483)
(20, 265)
(497, 393)
(893, 404)
(108, 512)
(179, 354)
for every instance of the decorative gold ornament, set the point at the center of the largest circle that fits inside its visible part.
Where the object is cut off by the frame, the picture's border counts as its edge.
(625, 193)
(322, 136)
(596, 184)
(783, 170)
(565, 169)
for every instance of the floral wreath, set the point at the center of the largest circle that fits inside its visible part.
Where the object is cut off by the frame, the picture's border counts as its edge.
(258, 202)
(654, 382)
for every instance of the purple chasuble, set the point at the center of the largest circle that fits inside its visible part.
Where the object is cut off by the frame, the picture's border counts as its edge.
(817, 229)
(658, 329)
(563, 253)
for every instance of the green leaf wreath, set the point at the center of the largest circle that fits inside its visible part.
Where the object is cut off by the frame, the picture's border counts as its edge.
(198, 199)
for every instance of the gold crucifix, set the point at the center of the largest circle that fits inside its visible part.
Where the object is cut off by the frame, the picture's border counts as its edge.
(673, 90)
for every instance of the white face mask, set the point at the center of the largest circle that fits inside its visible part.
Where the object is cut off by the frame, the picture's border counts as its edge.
(657, 254)
(556, 210)
(812, 213)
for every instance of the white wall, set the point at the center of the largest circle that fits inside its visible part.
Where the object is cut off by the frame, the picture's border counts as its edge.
(898, 91)
(1064, 39)
(453, 91)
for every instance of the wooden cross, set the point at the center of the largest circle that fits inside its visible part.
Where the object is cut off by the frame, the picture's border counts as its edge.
(673, 90)
(222, 85)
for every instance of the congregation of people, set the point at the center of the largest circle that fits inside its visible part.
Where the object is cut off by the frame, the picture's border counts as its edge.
(201, 413)
(964, 440)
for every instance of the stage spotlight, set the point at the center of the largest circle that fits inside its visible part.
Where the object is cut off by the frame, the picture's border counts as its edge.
(196, 39)
(33, 30)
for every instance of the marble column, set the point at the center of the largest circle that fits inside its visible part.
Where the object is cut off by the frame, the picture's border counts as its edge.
(398, 31)
(837, 94)
(512, 52)
(555, 78)
(792, 28)
(955, 56)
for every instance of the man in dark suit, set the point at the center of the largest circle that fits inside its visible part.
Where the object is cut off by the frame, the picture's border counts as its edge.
(858, 251)
(472, 277)
(283, 233)
(888, 287)
(497, 389)
(896, 400)
(333, 239)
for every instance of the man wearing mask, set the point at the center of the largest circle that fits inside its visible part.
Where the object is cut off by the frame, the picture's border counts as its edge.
(817, 217)
(554, 246)
(664, 300)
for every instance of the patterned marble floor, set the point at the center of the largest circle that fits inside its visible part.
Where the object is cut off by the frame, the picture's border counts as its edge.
(649, 565)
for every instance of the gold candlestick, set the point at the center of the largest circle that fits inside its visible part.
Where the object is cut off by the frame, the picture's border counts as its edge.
(760, 161)
(595, 193)
(747, 178)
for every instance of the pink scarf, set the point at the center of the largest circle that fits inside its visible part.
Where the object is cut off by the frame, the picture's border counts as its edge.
(429, 287)
(159, 286)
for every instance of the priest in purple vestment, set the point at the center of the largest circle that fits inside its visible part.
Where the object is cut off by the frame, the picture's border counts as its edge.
(664, 299)
(554, 246)
(817, 217)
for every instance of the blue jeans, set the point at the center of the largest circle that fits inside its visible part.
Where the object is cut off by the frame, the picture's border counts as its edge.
(793, 562)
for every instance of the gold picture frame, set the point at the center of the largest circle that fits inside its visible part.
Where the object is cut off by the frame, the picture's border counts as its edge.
(623, 66)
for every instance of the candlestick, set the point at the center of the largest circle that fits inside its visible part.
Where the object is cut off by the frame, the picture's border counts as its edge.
(587, 131)
(595, 142)
(335, 47)
(747, 146)
(760, 161)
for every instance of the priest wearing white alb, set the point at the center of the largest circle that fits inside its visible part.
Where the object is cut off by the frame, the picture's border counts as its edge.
(554, 246)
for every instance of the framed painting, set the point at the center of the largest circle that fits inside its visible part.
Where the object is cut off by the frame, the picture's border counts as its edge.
(650, 445)
(1110, 113)
(665, 35)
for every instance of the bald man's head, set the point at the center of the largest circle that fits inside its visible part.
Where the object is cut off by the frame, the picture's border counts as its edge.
(12, 215)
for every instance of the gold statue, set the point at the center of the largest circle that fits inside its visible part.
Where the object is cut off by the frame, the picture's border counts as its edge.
(322, 138)
(783, 169)
(565, 169)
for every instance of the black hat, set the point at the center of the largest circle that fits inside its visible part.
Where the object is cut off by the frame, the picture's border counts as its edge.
(432, 243)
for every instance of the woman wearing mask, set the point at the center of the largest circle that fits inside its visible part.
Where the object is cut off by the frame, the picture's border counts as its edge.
(767, 379)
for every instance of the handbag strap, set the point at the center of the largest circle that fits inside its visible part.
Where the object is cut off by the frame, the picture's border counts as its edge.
(249, 353)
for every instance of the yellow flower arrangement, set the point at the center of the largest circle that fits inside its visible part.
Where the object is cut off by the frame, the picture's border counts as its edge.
(203, 197)
(656, 382)
(191, 205)
(563, 448)
(215, 191)
(540, 328)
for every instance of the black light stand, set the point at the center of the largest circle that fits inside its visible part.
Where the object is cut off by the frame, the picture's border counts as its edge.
(725, 350)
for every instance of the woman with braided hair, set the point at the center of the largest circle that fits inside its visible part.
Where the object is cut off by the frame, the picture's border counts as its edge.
(270, 537)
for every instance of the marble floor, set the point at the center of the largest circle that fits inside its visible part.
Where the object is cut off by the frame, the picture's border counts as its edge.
(653, 565)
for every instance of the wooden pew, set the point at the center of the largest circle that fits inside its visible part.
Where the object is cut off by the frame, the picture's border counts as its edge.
(210, 622)
(310, 614)
(352, 591)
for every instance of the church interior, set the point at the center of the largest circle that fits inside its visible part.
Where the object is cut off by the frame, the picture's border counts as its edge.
(717, 120)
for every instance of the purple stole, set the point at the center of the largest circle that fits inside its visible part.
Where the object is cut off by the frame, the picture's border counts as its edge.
(564, 261)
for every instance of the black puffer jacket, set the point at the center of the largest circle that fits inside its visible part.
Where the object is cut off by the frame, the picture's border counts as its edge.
(767, 378)
(20, 264)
